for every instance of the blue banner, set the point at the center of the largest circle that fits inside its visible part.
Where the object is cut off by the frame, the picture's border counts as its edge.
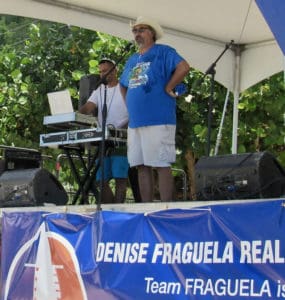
(274, 14)
(225, 251)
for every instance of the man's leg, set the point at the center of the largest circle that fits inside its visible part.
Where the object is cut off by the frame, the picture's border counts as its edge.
(107, 194)
(134, 183)
(145, 183)
(120, 190)
(120, 168)
(165, 183)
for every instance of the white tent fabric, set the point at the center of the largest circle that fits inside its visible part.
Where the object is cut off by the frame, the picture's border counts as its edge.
(198, 29)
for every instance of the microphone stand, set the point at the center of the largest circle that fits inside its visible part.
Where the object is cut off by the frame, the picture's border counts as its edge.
(212, 71)
(104, 118)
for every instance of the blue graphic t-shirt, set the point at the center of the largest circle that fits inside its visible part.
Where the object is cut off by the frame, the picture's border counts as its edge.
(145, 77)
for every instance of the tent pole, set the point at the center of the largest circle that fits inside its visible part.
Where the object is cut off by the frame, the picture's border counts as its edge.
(236, 90)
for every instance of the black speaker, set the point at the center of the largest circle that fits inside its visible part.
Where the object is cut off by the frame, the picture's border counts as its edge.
(30, 187)
(87, 85)
(239, 176)
(21, 158)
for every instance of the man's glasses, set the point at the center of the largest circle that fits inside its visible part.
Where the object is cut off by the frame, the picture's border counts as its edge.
(139, 30)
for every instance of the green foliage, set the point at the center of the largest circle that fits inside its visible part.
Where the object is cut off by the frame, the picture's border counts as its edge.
(40, 62)
(261, 117)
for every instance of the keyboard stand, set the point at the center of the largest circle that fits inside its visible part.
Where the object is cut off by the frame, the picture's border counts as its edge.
(86, 181)
(70, 141)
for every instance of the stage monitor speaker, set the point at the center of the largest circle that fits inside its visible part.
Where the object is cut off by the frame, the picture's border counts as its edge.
(87, 85)
(239, 176)
(30, 187)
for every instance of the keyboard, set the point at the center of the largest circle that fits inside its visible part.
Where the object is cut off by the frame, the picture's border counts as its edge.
(69, 120)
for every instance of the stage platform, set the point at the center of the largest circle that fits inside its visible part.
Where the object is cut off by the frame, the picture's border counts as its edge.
(145, 208)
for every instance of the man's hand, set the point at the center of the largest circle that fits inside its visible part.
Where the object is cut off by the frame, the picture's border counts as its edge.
(171, 93)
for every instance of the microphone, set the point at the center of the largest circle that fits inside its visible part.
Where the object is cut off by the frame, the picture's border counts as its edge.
(230, 44)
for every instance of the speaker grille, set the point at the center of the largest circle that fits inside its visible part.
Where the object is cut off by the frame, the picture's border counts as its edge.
(30, 187)
(239, 176)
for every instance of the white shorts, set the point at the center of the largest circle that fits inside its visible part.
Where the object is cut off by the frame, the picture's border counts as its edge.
(152, 146)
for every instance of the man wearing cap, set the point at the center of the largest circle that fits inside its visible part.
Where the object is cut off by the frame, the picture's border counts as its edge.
(147, 84)
(115, 163)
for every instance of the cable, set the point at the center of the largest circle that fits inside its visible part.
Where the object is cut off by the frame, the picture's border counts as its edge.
(28, 39)
(230, 190)
(245, 21)
(219, 136)
(15, 29)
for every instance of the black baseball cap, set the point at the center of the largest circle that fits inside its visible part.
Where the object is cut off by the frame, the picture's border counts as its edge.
(106, 59)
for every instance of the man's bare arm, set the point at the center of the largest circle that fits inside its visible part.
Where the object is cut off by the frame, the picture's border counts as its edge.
(88, 108)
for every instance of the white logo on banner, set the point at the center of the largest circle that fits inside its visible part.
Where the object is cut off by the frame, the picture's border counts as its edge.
(56, 269)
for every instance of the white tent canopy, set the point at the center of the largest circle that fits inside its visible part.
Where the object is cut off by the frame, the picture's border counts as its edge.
(198, 29)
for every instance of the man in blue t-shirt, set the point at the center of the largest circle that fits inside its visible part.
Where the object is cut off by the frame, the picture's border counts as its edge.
(147, 84)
